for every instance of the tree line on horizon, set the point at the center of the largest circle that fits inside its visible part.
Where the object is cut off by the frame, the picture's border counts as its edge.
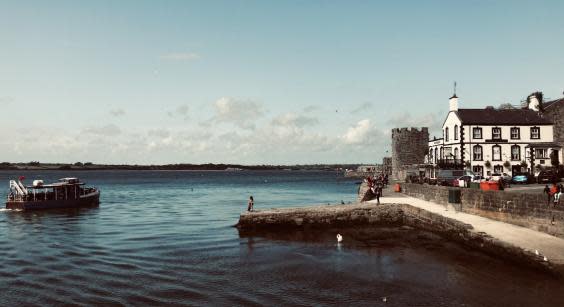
(36, 165)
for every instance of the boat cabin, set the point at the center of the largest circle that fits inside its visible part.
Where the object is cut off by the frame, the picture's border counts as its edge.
(64, 189)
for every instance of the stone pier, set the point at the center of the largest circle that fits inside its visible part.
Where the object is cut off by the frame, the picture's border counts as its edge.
(497, 240)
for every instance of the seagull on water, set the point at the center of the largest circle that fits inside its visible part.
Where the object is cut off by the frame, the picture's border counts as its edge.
(536, 252)
(545, 259)
(339, 238)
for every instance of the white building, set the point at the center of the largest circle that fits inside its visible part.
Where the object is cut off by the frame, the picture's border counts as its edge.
(493, 141)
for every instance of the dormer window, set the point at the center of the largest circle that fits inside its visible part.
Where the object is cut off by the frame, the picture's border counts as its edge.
(535, 133)
(496, 133)
(515, 133)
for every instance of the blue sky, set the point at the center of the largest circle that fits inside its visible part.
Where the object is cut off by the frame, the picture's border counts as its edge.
(255, 82)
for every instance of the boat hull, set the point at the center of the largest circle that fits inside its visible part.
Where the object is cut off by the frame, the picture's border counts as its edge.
(90, 200)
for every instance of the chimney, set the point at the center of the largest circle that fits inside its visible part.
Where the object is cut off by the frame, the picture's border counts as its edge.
(533, 102)
(453, 103)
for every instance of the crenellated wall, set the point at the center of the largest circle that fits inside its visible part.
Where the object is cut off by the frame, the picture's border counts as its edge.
(409, 147)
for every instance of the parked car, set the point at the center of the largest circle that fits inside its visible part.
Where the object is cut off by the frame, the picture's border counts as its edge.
(463, 181)
(523, 178)
(447, 176)
(547, 177)
(504, 176)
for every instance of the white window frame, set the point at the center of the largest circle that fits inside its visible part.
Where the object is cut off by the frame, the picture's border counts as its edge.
(477, 129)
(478, 156)
(518, 135)
(518, 156)
(535, 136)
(493, 153)
(496, 136)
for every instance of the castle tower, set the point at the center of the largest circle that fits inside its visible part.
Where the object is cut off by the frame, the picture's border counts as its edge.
(409, 147)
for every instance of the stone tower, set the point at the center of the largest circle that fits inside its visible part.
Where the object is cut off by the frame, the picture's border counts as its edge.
(409, 147)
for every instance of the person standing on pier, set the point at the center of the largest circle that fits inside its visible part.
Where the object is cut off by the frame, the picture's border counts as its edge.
(251, 204)
(378, 192)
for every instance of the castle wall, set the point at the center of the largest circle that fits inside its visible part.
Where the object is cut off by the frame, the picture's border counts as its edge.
(409, 147)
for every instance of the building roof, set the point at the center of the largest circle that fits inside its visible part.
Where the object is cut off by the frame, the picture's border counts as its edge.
(491, 116)
(549, 104)
(543, 145)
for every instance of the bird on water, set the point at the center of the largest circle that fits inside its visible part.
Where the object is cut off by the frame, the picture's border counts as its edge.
(339, 238)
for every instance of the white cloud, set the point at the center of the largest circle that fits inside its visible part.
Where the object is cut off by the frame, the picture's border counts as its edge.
(180, 56)
(363, 133)
(161, 133)
(433, 121)
(242, 113)
(292, 119)
(117, 112)
(6, 100)
(311, 108)
(181, 111)
(107, 130)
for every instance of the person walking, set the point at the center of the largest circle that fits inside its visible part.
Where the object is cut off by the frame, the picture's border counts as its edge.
(547, 192)
(251, 204)
(378, 191)
(557, 194)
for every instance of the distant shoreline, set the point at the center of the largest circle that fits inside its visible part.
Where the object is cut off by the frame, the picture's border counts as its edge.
(172, 167)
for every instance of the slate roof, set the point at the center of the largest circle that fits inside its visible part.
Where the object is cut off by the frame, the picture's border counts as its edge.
(548, 104)
(493, 117)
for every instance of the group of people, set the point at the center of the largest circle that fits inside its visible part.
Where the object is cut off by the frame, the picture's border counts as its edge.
(553, 193)
(376, 184)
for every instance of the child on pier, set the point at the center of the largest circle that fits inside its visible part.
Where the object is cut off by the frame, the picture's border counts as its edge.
(251, 204)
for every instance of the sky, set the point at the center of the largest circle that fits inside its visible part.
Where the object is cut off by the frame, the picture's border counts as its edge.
(258, 82)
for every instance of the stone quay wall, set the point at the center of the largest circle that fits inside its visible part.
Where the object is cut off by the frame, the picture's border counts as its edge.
(409, 147)
(388, 215)
(523, 209)
(321, 216)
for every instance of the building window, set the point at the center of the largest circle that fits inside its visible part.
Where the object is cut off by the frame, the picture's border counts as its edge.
(431, 155)
(456, 132)
(498, 169)
(535, 133)
(541, 153)
(515, 153)
(456, 153)
(496, 133)
(478, 153)
(448, 153)
(496, 153)
(442, 153)
(446, 134)
(477, 133)
(436, 156)
(478, 170)
(515, 133)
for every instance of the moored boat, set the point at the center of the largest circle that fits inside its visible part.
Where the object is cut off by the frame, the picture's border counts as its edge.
(66, 193)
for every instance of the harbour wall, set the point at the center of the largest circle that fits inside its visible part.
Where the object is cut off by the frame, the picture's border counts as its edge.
(523, 209)
(358, 215)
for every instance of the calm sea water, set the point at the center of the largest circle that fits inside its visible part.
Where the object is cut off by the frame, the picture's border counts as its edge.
(166, 238)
